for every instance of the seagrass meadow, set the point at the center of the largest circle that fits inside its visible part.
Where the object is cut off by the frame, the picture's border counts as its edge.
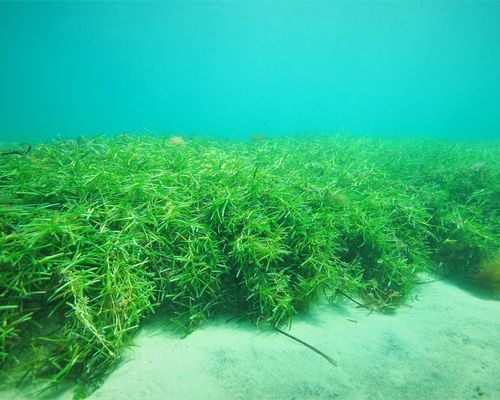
(96, 234)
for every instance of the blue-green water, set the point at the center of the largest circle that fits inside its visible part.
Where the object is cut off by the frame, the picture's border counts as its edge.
(236, 68)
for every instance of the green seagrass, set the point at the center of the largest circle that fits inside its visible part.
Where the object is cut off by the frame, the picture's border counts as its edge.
(97, 233)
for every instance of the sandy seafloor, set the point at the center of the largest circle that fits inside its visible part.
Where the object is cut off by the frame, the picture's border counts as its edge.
(444, 344)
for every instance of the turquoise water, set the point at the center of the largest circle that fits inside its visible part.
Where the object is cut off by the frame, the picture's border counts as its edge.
(236, 68)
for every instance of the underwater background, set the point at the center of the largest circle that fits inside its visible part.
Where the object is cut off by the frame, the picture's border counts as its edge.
(235, 68)
(241, 200)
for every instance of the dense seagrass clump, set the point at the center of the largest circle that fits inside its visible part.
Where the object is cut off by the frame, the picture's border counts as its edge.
(96, 234)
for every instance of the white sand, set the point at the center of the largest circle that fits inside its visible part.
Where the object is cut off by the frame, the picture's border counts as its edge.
(444, 345)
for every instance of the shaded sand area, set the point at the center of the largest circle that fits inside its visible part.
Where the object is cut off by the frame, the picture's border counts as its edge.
(445, 344)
